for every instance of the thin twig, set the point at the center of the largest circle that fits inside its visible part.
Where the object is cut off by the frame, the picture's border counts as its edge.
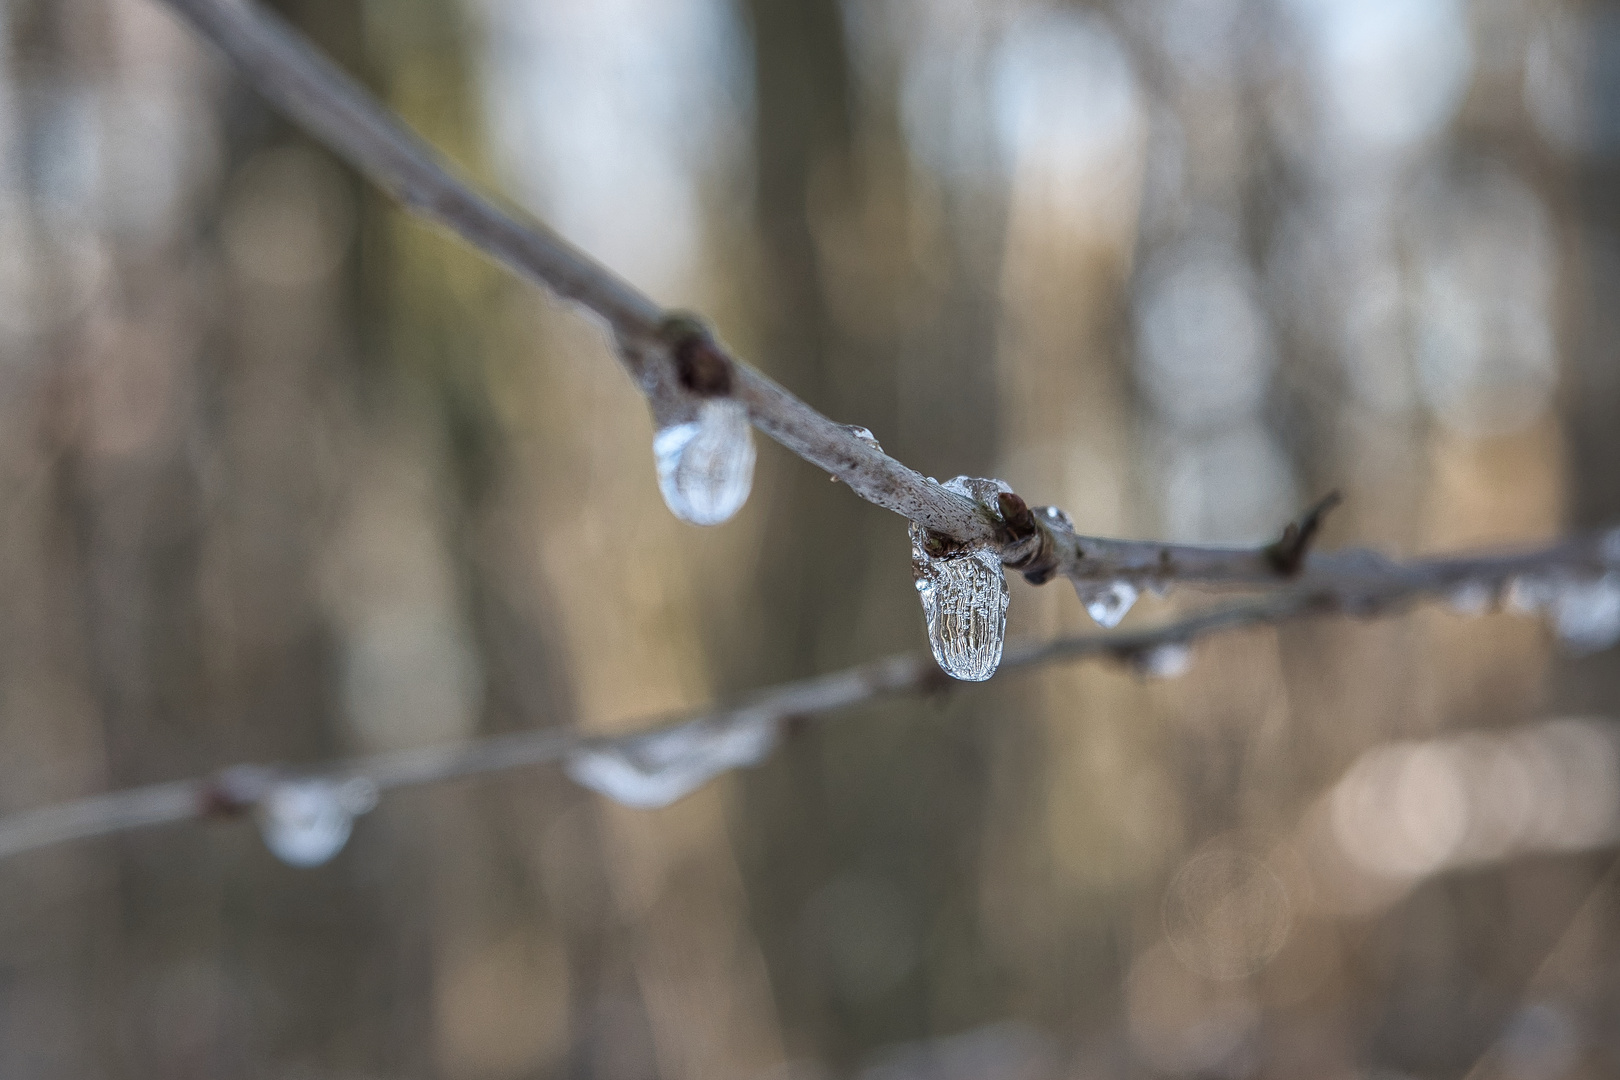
(1379, 587)
(292, 75)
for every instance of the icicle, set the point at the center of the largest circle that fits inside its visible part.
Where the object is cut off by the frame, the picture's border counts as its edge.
(964, 594)
(655, 770)
(706, 466)
(1586, 614)
(1169, 660)
(1106, 602)
(306, 822)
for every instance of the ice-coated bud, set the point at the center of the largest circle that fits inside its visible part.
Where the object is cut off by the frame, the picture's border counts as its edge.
(963, 592)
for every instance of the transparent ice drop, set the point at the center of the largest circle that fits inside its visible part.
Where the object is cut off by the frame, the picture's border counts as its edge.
(655, 770)
(1586, 614)
(706, 466)
(865, 435)
(1471, 598)
(1106, 602)
(964, 594)
(305, 822)
(1168, 660)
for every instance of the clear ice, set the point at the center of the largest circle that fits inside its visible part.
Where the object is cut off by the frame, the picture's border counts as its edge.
(306, 822)
(706, 466)
(655, 770)
(865, 435)
(1056, 516)
(1106, 602)
(964, 595)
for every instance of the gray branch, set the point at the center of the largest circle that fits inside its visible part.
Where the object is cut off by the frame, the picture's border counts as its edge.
(1356, 583)
(289, 73)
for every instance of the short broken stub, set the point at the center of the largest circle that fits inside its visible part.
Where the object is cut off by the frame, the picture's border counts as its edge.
(964, 594)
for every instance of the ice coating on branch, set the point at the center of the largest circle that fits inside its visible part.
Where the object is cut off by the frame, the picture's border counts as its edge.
(306, 822)
(1586, 614)
(706, 466)
(865, 435)
(963, 592)
(1108, 601)
(655, 770)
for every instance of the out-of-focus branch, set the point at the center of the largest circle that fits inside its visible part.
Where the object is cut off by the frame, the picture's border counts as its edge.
(1361, 584)
(673, 357)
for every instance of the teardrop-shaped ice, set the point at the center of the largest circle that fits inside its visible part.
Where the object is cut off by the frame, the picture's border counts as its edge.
(654, 770)
(1107, 601)
(306, 822)
(706, 466)
(964, 598)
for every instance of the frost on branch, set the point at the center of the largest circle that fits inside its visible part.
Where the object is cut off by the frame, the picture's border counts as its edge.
(964, 593)
(658, 768)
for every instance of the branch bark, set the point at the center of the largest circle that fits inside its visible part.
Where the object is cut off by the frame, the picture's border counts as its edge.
(1356, 583)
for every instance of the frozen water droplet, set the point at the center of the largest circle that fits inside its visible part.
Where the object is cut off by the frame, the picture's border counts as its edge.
(1106, 602)
(656, 769)
(1056, 517)
(306, 822)
(1586, 614)
(1529, 595)
(1170, 660)
(1471, 598)
(964, 597)
(706, 466)
(865, 435)
(979, 489)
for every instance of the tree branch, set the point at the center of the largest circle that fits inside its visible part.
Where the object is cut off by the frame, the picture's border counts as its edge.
(289, 73)
(1356, 583)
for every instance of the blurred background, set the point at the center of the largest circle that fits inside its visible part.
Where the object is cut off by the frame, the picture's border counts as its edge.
(287, 476)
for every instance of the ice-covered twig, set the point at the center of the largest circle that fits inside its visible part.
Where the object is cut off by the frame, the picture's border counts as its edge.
(664, 760)
(673, 358)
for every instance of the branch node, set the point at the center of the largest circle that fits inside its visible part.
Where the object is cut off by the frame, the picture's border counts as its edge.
(701, 366)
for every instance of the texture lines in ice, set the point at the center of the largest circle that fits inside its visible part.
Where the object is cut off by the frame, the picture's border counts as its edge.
(657, 769)
(964, 596)
(706, 466)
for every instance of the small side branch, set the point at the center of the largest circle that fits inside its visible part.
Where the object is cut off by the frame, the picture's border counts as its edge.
(1358, 584)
